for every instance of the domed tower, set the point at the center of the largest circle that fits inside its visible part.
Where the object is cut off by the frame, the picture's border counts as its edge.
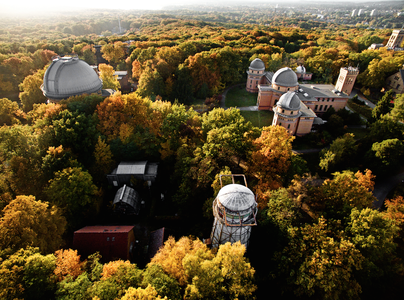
(287, 112)
(255, 73)
(235, 212)
(69, 76)
(285, 80)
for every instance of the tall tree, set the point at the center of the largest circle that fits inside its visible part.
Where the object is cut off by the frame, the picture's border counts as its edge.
(28, 222)
(109, 80)
(31, 92)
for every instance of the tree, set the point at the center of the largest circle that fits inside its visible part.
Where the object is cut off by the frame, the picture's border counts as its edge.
(109, 80)
(165, 285)
(31, 92)
(171, 255)
(320, 261)
(398, 110)
(385, 157)
(340, 154)
(9, 112)
(26, 274)
(149, 293)
(114, 53)
(27, 222)
(72, 189)
(103, 158)
(383, 106)
(68, 264)
(74, 289)
(270, 159)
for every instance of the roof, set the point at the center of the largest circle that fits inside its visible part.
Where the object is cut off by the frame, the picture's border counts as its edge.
(290, 101)
(285, 77)
(104, 229)
(320, 90)
(70, 76)
(127, 196)
(257, 64)
(301, 69)
(138, 167)
(236, 197)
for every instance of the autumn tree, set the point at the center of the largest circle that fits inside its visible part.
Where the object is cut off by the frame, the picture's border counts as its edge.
(114, 53)
(340, 154)
(31, 92)
(28, 222)
(109, 80)
(68, 264)
(270, 159)
(9, 112)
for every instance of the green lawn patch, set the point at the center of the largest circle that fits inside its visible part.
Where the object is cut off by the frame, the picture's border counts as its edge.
(238, 96)
(259, 118)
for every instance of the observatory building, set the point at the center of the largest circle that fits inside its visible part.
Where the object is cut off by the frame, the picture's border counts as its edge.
(69, 76)
(235, 212)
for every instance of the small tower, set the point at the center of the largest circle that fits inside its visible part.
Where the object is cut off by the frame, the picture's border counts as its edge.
(235, 212)
(346, 79)
(255, 73)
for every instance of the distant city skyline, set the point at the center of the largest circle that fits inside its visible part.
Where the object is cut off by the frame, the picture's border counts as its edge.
(44, 6)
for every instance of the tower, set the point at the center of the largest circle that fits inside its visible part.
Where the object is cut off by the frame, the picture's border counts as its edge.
(255, 73)
(235, 212)
(346, 79)
(396, 38)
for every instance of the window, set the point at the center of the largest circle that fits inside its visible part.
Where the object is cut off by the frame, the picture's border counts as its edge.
(288, 126)
(288, 89)
(280, 124)
(323, 99)
(332, 100)
(291, 112)
(325, 108)
(113, 238)
(321, 108)
(315, 108)
(279, 88)
(328, 99)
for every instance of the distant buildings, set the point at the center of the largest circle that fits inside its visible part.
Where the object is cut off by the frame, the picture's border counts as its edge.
(295, 105)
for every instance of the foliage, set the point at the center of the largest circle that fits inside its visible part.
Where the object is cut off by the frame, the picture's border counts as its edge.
(340, 155)
(68, 265)
(109, 80)
(28, 222)
(31, 92)
(270, 159)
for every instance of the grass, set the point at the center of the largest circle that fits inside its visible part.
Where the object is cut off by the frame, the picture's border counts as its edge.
(358, 132)
(238, 96)
(259, 118)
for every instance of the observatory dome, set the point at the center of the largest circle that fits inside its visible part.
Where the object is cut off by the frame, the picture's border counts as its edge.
(236, 197)
(290, 101)
(257, 64)
(69, 76)
(285, 77)
(301, 69)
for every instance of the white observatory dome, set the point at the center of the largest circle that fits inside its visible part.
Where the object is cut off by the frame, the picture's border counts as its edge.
(70, 76)
(236, 198)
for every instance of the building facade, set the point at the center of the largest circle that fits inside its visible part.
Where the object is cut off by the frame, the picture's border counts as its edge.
(396, 38)
(395, 82)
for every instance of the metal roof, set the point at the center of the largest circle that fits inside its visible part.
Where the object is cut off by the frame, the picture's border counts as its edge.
(236, 197)
(132, 167)
(285, 77)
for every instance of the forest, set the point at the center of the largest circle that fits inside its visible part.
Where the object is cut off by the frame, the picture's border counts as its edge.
(318, 234)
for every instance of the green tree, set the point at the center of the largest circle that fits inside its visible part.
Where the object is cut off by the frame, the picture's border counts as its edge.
(27, 222)
(165, 285)
(72, 189)
(385, 157)
(383, 106)
(398, 110)
(340, 155)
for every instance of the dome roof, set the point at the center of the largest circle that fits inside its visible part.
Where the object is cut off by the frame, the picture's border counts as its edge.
(285, 77)
(257, 64)
(236, 197)
(70, 76)
(289, 101)
(301, 69)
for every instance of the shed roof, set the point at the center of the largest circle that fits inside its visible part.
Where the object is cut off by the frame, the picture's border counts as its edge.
(104, 229)
(138, 167)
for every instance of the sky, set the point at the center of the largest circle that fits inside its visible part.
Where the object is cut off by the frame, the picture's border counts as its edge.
(31, 7)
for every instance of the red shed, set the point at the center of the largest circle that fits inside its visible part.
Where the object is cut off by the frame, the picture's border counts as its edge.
(113, 242)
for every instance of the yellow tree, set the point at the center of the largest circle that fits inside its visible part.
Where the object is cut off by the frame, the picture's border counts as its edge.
(28, 222)
(68, 264)
(114, 53)
(271, 159)
(103, 158)
(148, 293)
(109, 80)
(31, 90)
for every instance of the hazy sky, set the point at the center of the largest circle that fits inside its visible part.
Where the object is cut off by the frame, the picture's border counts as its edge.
(34, 6)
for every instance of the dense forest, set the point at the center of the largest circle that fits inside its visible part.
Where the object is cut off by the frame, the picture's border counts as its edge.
(318, 235)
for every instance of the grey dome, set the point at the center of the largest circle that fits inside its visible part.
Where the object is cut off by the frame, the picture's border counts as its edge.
(285, 77)
(301, 69)
(69, 76)
(236, 197)
(289, 101)
(257, 64)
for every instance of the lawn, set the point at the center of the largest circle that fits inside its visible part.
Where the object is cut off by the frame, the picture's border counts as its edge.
(259, 118)
(238, 96)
